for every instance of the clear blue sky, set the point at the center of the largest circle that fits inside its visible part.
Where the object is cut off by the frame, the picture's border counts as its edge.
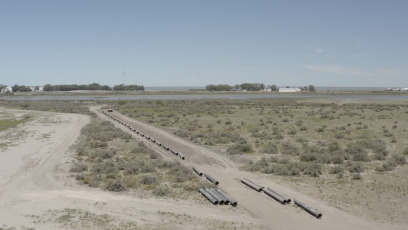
(194, 43)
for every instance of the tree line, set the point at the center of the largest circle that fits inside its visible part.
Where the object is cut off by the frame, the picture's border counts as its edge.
(93, 86)
(251, 87)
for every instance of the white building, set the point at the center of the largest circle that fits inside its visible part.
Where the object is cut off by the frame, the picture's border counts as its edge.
(289, 90)
(7, 89)
(404, 89)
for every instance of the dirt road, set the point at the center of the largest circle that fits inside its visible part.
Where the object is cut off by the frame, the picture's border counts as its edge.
(272, 214)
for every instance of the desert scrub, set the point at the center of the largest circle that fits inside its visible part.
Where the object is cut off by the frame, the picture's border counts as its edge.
(365, 131)
(107, 159)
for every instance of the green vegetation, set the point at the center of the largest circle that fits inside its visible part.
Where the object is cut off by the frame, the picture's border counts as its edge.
(303, 138)
(10, 123)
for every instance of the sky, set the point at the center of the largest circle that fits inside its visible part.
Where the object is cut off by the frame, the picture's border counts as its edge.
(346, 43)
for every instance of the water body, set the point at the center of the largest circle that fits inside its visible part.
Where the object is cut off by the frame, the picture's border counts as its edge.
(336, 97)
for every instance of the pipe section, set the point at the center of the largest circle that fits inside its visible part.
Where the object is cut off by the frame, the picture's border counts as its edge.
(251, 185)
(308, 209)
(208, 196)
(224, 199)
(231, 201)
(214, 181)
(274, 196)
(209, 191)
(197, 171)
(181, 155)
(288, 200)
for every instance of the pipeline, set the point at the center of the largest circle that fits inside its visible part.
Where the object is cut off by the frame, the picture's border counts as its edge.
(181, 155)
(274, 196)
(251, 185)
(214, 181)
(308, 209)
(288, 200)
(231, 201)
(147, 137)
(158, 143)
(153, 140)
(226, 201)
(208, 196)
(213, 194)
(197, 171)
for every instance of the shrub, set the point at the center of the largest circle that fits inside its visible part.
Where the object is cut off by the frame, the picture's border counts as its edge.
(240, 147)
(356, 176)
(355, 167)
(336, 170)
(308, 157)
(289, 148)
(115, 185)
(271, 148)
(79, 167)
(148, 179)
(161, 191)
(311, 169)
(405, 152)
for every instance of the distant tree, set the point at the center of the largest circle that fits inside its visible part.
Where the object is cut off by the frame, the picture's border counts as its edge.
(312, 88)
(22, 88)
(252, 86)
(274, 88)
(224, 87)
(123, 87)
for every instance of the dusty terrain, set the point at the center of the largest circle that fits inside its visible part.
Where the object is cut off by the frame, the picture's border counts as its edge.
(37, 193)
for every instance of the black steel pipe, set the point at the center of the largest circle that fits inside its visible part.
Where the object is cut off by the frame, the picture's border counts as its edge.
(274, 196)
(174, 152)
(213, 194)
(308, 209)
(231, 201)
(251, 185)
(208, 196)
(197, 171)
(165, 147)
(214, 181)
(181, 155)
(288, 200)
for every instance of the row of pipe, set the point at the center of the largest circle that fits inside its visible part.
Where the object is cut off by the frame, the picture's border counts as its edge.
(279, 197)
(146, 136)
(208, 177)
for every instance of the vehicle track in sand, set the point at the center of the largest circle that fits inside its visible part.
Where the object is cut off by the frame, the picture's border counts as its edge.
(259, 205)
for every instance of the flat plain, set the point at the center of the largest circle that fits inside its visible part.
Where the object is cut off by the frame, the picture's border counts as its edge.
(72, 171)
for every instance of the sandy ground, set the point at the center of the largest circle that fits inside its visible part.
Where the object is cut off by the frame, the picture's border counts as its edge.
(36, 191)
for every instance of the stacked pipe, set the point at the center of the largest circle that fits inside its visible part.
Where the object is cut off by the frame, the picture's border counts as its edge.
(308, 209)
(217, 196)
(288, 200)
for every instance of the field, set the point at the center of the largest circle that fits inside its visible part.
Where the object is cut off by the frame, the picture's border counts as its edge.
(348, 159)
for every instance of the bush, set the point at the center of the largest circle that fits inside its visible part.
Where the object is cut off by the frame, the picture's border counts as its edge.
(115, 185)
(355, 167)
(240, 147)
(148, 179)
(356, 176)
(271, 148)
(161, 191)
(336, 170)
(289, 148)
(80, 167)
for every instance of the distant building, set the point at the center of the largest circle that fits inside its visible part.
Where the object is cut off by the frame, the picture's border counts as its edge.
(404, 89)
(266, 90)
(289, 90)
(7, 89)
